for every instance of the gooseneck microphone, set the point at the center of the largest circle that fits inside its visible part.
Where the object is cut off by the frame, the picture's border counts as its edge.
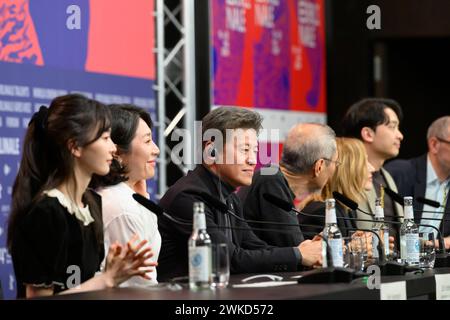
(331, 274)
(336, 274)
(287, 206)
(394, 195)
(156, 209)
(354, 206)
(282, 204)
(159, 211)
(349, 203)
(429, 202)
(278, 202)
(399, 199)
(224, 208)
(443, 259)
(321, 275)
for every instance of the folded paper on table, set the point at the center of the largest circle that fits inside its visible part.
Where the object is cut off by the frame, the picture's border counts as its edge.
(264, 284)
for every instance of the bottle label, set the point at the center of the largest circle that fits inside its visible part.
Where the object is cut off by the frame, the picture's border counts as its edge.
(379, 212)
(336, 252)
(330, 216)
(199, 221)
(386, 243)
(375, 246)
(324, 254)
(410, 248)
(408, 212)
(402, 248)
(200, 264)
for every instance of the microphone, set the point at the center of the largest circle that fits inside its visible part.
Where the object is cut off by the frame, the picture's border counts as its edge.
(394, 195)
(442, 258)
(399, 199)
(224, 208)
(330, 274)
(429, 202)
(156, 209)
(338, 275)
(354, 206)
(282, 204)
(389, 267)
(213, 201)
(278, 202)
(288, 207)
(346, 201)
(159, 211)
(349, 202)
(320, 275)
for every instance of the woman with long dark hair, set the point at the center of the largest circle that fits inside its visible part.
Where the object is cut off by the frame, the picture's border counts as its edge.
(55, 232)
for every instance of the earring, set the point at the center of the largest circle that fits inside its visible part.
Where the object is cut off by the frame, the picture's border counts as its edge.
(118, 159)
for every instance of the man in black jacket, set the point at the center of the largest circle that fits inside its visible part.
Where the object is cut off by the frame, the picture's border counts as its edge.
(225, 167)
(428, 176)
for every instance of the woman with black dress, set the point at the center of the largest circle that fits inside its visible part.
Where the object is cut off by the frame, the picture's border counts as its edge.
(55, 231)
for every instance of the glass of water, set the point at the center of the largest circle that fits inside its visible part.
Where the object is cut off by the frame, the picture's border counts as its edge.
(427, 250)
(359, 246)
(353, 251)
(220, 265)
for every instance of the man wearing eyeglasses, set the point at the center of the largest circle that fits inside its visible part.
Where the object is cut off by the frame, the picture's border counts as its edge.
(308, 160)
(428, 176)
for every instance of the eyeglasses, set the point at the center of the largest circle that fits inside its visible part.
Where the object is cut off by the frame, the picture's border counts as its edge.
(336, 162)
(443, 140)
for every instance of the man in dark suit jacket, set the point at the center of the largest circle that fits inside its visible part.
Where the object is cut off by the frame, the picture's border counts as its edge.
(225, 167)
(428, 176)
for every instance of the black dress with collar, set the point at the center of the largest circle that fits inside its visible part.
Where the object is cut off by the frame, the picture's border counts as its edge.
(51, 247)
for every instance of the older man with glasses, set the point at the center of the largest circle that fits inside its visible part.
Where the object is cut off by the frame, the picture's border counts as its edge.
(308, 160)
(428, 176)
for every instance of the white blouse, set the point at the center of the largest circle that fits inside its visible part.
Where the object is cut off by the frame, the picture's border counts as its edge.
(123, 217)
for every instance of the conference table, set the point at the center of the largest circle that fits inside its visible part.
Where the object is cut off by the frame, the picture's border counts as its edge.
(419, 285)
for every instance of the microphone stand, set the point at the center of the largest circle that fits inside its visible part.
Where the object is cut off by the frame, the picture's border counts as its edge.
(319, 275)
(391, 267)
(442, 258)
(156, 209)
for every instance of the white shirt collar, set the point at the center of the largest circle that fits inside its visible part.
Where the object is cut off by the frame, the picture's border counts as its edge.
(82, 214)
(431, 174)
(432, 177)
